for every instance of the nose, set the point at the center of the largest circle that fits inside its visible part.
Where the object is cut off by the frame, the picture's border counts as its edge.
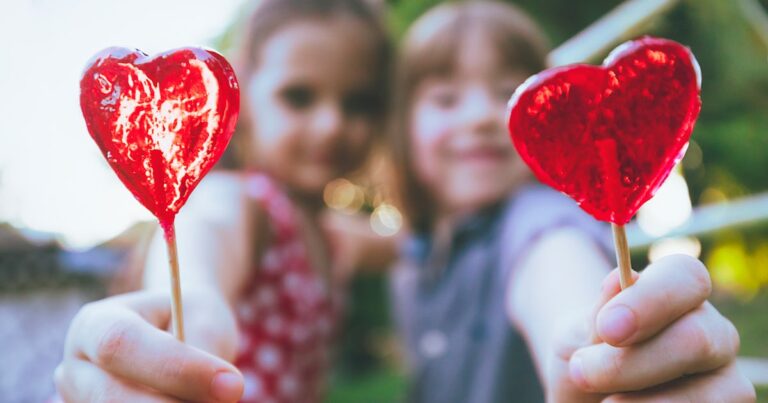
(328, 120)
(482, 111)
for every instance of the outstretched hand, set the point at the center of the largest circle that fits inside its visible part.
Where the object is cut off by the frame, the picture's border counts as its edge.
(658, 340)
(117, 350)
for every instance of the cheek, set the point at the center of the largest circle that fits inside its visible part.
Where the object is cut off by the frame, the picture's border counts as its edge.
(275, 131)
(430, 129)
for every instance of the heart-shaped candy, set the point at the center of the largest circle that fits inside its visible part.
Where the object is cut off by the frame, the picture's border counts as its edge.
(609, 135)
(161, 122)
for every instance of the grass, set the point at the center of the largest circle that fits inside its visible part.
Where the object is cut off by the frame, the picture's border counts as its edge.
(381, 386)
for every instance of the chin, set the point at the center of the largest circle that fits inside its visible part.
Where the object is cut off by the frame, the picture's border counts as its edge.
(313, 186)
(478, 196)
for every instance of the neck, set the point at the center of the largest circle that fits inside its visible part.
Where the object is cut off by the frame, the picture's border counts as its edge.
(447, 218)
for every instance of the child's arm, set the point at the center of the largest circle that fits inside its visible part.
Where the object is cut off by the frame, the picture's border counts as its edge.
(659, 340)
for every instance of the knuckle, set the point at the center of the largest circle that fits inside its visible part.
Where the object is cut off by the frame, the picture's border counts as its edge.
(749, 395)
(59, 377)
(734, 340)
(699, 275)
(88, 312)
(616, 362)
(173, 369)
(616, 398)
(109, 393)
(611, 370)
(710, 350)
(746, 392)
(112, 343)
(81, 319)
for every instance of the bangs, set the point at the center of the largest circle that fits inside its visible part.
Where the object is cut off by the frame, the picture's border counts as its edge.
(434, 45)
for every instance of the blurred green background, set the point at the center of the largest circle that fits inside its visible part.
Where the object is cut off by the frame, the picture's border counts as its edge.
(728, 159)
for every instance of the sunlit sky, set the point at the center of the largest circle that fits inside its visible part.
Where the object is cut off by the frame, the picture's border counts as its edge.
(52, 176)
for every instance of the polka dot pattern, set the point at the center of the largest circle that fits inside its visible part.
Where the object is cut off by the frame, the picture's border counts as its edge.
(288, 316)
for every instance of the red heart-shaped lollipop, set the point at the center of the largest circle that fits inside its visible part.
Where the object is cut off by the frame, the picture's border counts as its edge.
(161, 122)
(609, 135)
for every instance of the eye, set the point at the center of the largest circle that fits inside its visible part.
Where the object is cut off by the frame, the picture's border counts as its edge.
(444, 96)
(361, 103)
(298, 97)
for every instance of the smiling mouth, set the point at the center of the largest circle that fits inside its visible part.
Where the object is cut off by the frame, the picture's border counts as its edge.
(483, 154)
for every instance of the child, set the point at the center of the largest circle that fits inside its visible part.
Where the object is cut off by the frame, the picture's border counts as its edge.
(499, 268)
(259, 289)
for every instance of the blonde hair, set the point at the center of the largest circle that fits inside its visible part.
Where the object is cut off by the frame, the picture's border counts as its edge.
(268, 17)
(431, 47)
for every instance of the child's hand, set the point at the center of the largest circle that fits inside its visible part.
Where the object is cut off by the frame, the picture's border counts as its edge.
(658, 340)
(116, 350)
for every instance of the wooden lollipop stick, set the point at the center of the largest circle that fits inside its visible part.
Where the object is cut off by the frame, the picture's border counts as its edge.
(177, 314)
(622, 256)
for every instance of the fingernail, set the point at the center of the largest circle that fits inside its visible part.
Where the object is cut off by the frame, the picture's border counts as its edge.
(227, 387)
(616, 324)
(576, 370)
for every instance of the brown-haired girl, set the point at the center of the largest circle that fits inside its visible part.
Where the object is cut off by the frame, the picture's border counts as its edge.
(497, 293)
(259, 286)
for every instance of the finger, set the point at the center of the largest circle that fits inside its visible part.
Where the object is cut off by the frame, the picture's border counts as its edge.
(154, 307)
(610, 287)
(559, 387)
(81, 381)
(665, 291)
(700, 341)
(724, 385)
(130, 348)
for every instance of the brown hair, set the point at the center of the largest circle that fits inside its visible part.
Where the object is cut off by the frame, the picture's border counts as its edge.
(431, 47)
(266, 18)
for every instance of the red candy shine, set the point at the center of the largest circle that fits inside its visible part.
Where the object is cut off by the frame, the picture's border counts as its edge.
(609, 135)
(161, 122)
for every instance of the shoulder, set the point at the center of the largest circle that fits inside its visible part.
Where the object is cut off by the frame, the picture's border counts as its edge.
(534, 207)
(543, 202)
(536, 214)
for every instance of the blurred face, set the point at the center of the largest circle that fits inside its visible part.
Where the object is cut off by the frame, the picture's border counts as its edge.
(461, 147)
(311, 102)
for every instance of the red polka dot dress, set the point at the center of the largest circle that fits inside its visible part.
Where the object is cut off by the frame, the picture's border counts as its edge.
(288, 315)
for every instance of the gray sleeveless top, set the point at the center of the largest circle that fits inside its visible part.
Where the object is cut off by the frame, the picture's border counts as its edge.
(460, 344)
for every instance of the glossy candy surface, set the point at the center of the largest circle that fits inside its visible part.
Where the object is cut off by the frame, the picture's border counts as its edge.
(609, 135)
(161, 122)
